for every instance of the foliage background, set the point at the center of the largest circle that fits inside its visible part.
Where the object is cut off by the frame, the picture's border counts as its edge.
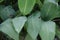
(12, 5)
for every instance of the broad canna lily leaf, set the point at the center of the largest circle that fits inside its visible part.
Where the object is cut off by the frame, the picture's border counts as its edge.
(47, 30)
(26, 6)
(28, 37)
(33, 25)
(18, 23)
(49, 11)
(7, 12)
(7, 28)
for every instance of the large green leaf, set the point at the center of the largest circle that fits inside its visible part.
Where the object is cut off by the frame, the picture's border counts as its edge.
(7, 12)
(8, 29)
(26, 6)
(49, 11)
(28, 37)
(33, 25)
(18, 23)
(47, 30)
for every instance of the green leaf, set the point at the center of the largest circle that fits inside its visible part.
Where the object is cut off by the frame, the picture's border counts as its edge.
(18, 23)
(2, 7)
(33, 25)
(58, 31)
(7, 28)
(59, 11)
(53, 1)
(7, 12)
(39, 3)
(47, 30)
(1, 1)
(28, 37)
(26, 6)
(49, 11)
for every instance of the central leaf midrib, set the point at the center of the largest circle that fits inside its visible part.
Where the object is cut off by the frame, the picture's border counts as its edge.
(25, 6)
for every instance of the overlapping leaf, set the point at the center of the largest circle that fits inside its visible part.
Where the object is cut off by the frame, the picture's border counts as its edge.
(28, 37)
(47, 31)
(49, 10)
(33, 25)
(7, 28)
(18, 23)
(7, 12)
